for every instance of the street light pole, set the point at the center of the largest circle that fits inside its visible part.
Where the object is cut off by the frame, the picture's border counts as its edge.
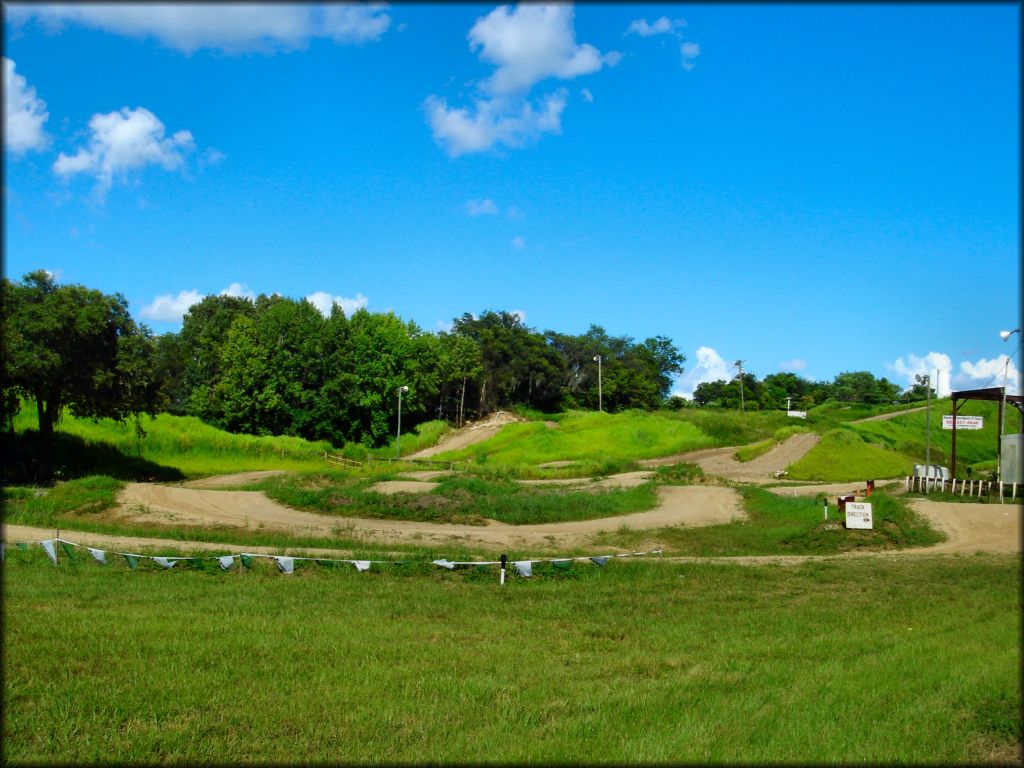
(599, 403)
(398, 437)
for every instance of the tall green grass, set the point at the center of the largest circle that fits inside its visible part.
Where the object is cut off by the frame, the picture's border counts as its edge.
(459, 499)
(788, 525)
(843, 454)
(590, 436)
(912, 660)
(183, 443)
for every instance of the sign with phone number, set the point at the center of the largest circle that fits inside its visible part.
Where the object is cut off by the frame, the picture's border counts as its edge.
(963, 422)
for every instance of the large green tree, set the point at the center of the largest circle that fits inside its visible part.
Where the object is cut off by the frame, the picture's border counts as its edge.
(68, 346)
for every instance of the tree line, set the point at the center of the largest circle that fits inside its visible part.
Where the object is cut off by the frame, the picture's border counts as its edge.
(779, 390)
(277, 366)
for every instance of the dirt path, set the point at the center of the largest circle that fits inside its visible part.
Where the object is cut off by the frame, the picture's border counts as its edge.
(887, 416)
(971, 528)
(469, 435)
(722, 462)
(251, 510)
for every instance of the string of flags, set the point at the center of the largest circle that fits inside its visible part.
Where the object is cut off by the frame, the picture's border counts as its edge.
(286, 563)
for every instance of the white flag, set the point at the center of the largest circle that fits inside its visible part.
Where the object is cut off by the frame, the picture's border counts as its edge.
(445, 564)
(48, 546)
(226, 561)
(599, 560)
(362, 565)
(286, 564)
(524, 567)
(165, 562)
(98, 555)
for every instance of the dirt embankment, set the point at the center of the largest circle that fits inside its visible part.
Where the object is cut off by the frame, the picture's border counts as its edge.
(722, 462)
(469, 435)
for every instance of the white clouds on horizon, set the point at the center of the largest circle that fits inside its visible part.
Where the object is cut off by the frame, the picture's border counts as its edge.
(710, 366)
(125, 141)
(24, 113)
(526, 44)
(170, 309)
(323, 301)
(237, 28)
(968, 375)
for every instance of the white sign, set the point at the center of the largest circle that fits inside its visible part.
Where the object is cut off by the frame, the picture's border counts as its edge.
(858, 515)
(797, 414)
(963, 422)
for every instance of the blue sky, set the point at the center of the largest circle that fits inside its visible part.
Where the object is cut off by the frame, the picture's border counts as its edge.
(813, 188)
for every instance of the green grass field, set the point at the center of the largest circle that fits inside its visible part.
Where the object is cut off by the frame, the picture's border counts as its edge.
(864, 661)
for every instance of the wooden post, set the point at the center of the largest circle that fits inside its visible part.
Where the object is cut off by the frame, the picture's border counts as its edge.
(953, 468)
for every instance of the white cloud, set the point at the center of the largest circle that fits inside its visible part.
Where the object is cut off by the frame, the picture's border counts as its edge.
(587, 95)
(170, 308)
(796, 364)
(662, 26)
(239, 290)
(927, 365)
(520, 314)
(689, 52)
(530, 43)
(323, 301)
(526, 44)
(710, 367)
(212, 156)
(989, 373)
(518, 242)
(355, 22)
(481, 207)
(24, 113)
(125, 141)
(510, 122)
(232, 28)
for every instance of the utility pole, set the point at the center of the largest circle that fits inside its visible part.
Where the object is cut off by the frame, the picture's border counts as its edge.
(927, 381)
(739, 367)
(599, 403)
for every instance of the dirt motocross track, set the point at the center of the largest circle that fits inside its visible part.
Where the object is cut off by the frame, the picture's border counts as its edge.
(970, 527)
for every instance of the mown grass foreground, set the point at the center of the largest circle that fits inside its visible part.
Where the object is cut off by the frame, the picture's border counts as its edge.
(861, 660)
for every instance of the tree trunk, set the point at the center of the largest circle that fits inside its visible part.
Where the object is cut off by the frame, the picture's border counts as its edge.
(45, 452)
(462, 404)
(483, 393)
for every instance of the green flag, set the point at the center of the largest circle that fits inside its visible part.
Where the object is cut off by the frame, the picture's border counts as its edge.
(562, 565)
(21, 545)
(246, 560)
(133, 561)
(68, 550)
(327, 563)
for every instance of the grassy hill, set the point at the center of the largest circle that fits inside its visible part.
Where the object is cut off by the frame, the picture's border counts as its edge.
(876, 449)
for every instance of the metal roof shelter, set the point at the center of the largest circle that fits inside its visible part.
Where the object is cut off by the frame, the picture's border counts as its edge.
(991, 393)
